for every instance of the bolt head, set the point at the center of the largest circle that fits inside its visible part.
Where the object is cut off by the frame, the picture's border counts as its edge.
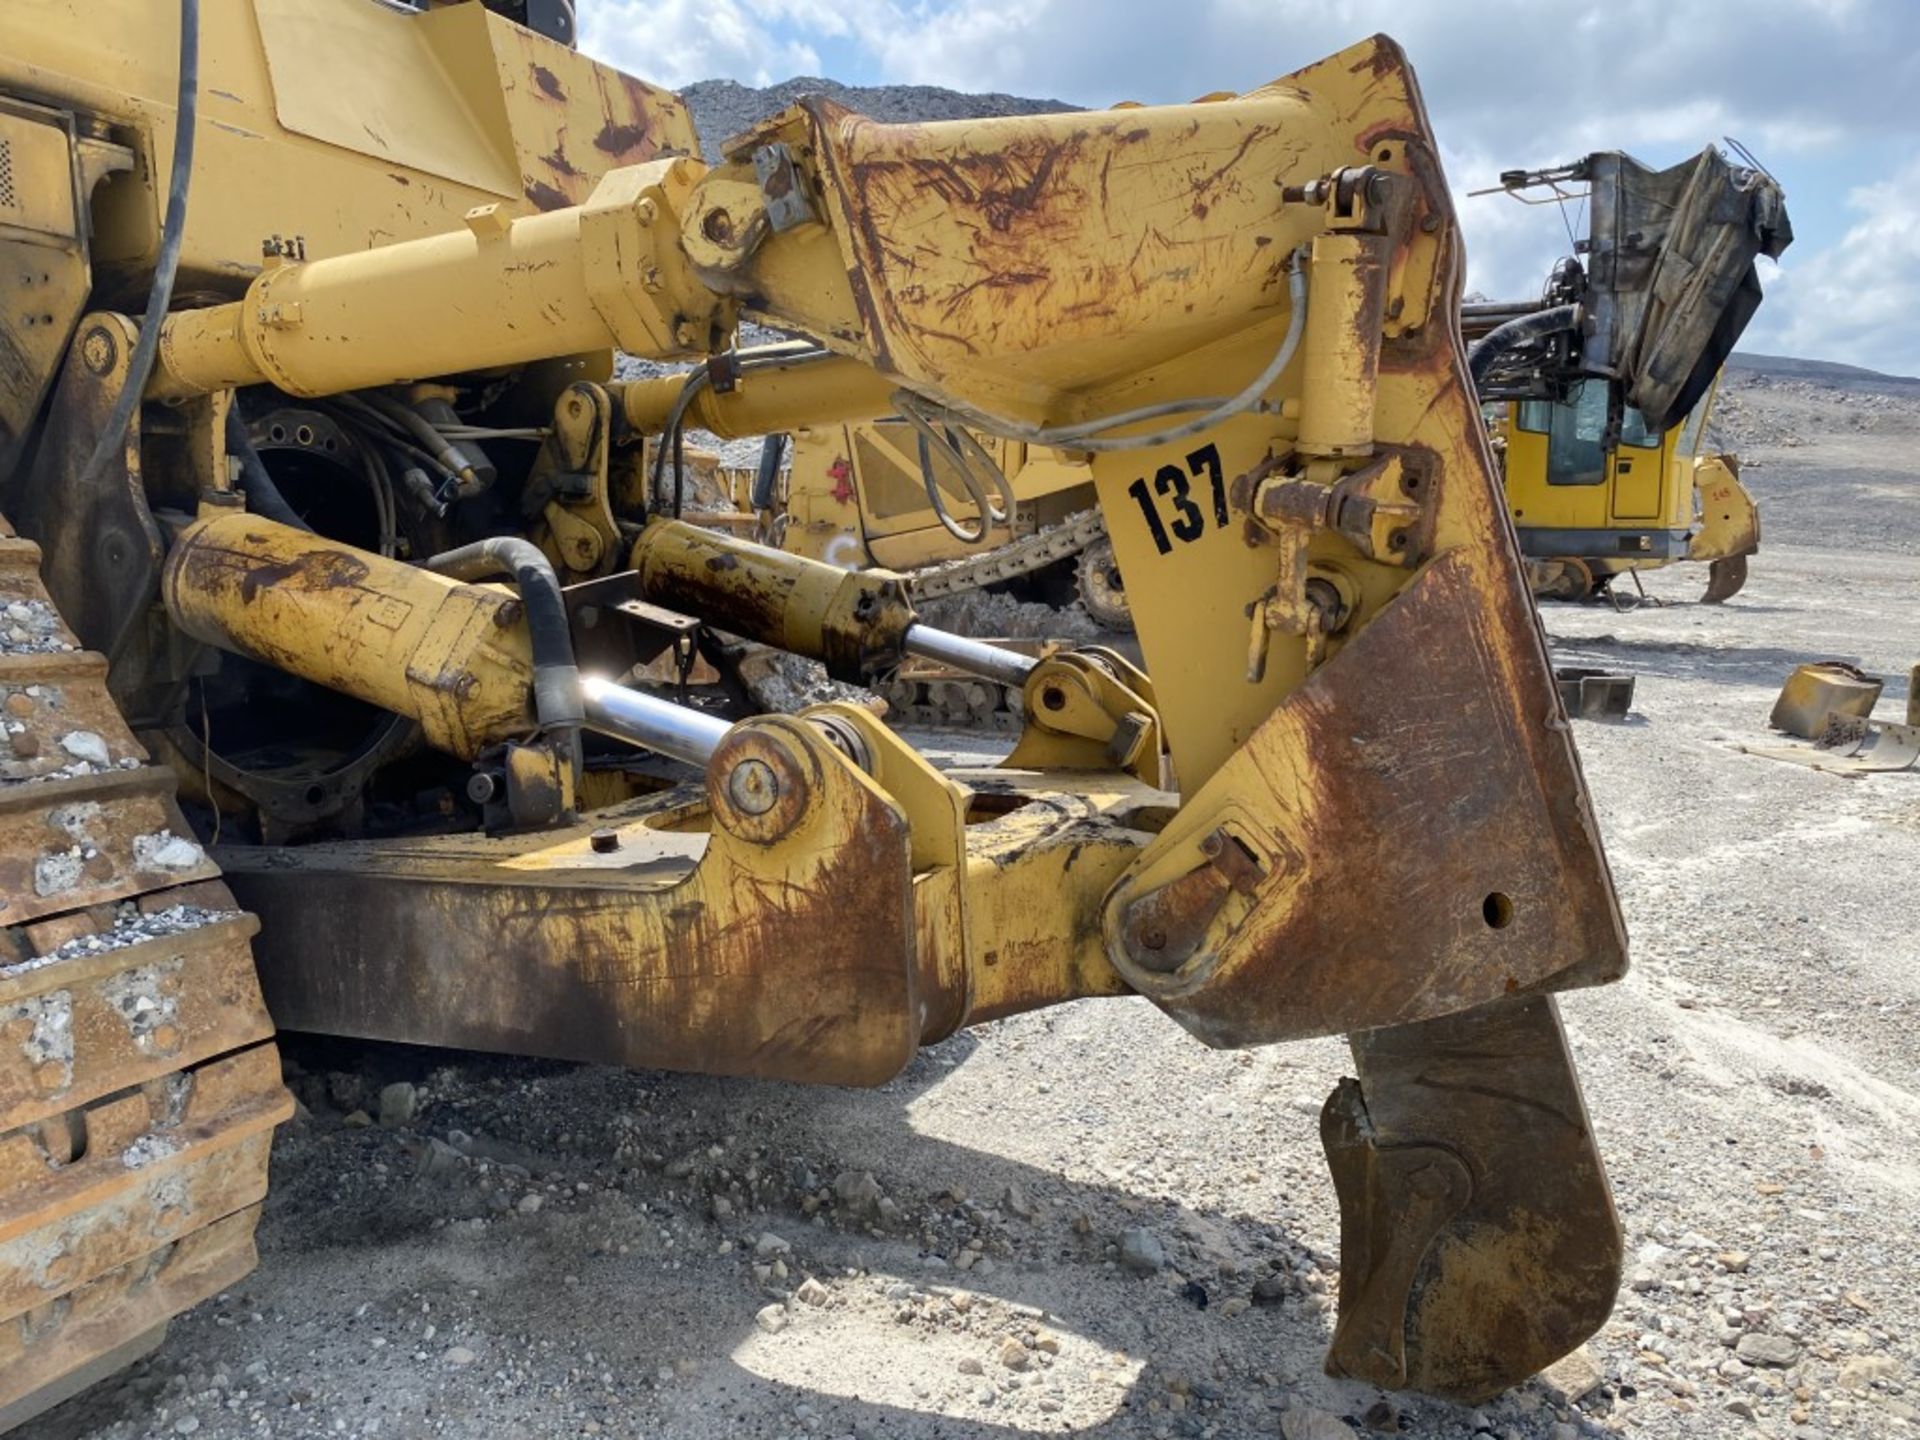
(99, 349)
(753, 787)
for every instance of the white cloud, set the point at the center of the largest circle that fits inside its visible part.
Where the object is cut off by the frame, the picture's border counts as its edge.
(675, 42)
(1818, 88)
(1855, 300)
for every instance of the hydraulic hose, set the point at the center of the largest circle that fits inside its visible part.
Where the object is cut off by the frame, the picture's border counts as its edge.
(1515, 333)
(113, 435)
(471, 478)
(766, 477)
(558, 700)
(263, 496)
(783, 355)
(970, 461)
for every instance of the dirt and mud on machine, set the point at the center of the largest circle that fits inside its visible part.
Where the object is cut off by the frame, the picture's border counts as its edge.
(339, 564)
(1600, 391)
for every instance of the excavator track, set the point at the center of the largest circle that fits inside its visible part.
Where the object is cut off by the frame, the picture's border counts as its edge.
(139, 1085)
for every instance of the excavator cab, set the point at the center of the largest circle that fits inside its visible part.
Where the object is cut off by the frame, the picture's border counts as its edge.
(1594, 491)
(1587, 511)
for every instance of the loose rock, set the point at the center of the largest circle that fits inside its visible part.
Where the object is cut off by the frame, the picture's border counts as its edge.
(858, 1191)
(1776, 1350)
(1303, 1423)
(398, 1103)
(1575, 1375)
(1141, 1251)
(772, 1319)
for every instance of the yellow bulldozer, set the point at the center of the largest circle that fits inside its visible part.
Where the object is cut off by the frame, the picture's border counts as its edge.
(948, 515)
(336, 558)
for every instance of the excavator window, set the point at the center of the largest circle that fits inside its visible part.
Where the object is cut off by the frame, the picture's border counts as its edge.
(1635, 431)
(1576, 431)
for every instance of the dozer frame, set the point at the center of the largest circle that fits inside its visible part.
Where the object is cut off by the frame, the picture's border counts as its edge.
(1340, 796)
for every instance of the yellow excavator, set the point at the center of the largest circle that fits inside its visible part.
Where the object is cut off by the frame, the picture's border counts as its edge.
(337, 558)
(1605, 476)
(1587, 515)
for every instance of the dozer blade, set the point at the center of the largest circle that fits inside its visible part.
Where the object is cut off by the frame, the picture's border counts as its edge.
(1725, 579)
(1478, 1240)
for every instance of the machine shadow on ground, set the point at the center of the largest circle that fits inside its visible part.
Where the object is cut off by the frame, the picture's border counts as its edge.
(371, 1255)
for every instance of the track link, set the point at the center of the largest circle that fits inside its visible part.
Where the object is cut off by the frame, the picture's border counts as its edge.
(1009, 561)
(139, 1085)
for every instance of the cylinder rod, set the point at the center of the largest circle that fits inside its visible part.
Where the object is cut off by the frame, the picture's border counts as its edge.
(989, 662)
(675, 730)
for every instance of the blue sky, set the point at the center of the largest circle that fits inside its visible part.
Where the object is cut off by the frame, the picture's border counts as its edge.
(1825, 92)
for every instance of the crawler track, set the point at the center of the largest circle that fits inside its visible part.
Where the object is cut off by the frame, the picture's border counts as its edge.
(139, 1086)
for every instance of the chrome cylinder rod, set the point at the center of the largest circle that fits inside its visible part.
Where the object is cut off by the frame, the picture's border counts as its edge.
(989, 662)
(660, 725)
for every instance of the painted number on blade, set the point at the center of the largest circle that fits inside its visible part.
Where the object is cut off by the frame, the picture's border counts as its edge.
(1185, 520)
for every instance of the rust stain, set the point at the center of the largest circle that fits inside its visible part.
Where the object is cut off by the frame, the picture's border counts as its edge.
(549, 83)
(545, 196)
(558, 161)
(1003, 186)
(617, 139)
(316, 570)
(1204, 186)
(1380, 61)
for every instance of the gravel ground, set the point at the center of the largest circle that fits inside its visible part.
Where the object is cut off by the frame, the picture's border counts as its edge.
(1083, 1222)
(725, 108)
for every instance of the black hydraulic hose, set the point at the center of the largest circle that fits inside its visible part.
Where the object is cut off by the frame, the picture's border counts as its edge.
(766, 478)
(263, 496)
(470, 481)
(783, 355)
(172, 230)
(558, 700)
(1515, 333)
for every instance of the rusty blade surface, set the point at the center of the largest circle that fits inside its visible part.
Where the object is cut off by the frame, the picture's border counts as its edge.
(1478, 1239)
(790, 956)
(1419, 838)
(1725, 579)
